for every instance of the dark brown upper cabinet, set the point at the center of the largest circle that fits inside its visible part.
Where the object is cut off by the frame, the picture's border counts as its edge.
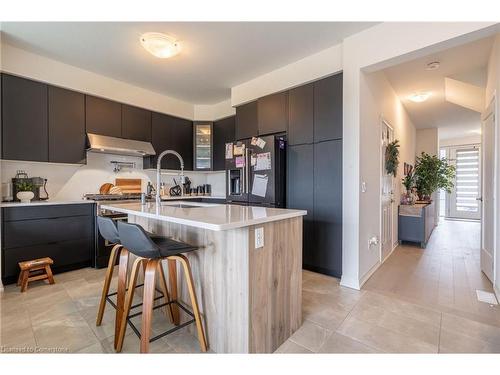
(171, 133)
(136, 123)
(24, 119)
(103, 116)
(301, 115)
(223, 133)
(66, 126)
(328, 108)
(246, 121)
(183, 143)
(273, 113)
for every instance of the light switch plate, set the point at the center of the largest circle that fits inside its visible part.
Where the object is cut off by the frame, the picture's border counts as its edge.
(259, 237)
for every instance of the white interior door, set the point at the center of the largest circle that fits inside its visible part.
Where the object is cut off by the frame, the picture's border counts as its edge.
(387, 196)
(464, 199)
(488, 195)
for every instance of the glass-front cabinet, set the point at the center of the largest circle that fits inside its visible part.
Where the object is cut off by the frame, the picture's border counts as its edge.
(203, 146)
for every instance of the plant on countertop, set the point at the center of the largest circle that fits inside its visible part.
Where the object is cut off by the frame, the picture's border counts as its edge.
(392, 158)
(431, 174)
(24, 185)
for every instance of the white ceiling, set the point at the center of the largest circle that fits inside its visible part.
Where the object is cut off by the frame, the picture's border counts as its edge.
(215, 55)
(466, 63)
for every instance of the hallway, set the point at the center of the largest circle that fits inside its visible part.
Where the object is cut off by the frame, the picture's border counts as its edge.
(444, 276)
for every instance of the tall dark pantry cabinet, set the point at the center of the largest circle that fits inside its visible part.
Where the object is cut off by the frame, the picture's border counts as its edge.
(314, 176)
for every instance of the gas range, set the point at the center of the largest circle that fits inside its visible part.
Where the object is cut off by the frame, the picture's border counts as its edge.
(112, 197)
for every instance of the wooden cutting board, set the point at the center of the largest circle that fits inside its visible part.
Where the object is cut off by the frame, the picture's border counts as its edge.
(129, 185)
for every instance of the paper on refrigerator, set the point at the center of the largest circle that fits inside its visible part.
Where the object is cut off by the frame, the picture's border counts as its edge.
(259, 186)
(263, 162)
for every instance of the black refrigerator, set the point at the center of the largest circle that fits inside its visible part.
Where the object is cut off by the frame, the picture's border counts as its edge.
(255, 171)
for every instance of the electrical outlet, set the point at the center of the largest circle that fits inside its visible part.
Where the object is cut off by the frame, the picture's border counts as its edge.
(259, 237)
(373, 241)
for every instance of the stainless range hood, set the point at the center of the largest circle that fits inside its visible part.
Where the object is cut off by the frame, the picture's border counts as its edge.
(119, 146)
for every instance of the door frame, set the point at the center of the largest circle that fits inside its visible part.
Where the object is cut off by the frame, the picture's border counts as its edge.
(492, 108)
(385, 123)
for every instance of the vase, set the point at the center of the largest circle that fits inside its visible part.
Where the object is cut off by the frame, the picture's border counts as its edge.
(25, 196)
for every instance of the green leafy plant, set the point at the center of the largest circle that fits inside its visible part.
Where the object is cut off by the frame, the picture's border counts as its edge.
(24, 185)
(431, 174)
(392, 158)
(409, 180)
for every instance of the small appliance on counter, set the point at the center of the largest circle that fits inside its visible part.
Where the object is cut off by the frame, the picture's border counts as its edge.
(37, 185)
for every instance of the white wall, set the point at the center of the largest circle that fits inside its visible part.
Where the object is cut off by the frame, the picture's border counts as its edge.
(30, 65)
(311, 68)
(214, 112)
(72, 181)
(379, 101)
(492, 87)
(376, 48)
(427, 141)
(469, 140)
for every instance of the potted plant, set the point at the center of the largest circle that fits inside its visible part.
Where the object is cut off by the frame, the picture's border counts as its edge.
(431, 174)
(408, 183)
(24, 191)
(392, 158)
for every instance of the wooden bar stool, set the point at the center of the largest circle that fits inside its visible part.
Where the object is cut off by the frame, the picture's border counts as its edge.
(151, 251)
(32, 270)
(109, 231)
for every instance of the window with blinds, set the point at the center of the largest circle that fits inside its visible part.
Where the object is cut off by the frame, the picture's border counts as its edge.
(467, 180)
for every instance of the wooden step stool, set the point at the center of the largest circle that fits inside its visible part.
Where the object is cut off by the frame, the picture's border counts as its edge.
(37, 269)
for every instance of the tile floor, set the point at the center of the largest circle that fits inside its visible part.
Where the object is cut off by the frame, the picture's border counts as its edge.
(419, 301)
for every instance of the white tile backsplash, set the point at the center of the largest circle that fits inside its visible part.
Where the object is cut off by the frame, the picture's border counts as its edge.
(70, 182)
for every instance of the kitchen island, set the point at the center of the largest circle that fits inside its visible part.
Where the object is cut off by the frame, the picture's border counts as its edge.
(249, 285)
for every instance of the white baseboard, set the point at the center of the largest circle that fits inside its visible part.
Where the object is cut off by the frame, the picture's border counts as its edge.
(497, 292)
(372, 270)
(350, 282)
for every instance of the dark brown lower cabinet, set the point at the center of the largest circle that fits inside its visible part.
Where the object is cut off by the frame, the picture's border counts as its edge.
(65, 233)
(314, 183)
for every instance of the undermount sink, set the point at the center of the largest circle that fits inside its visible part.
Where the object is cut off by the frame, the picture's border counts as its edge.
(188, 204)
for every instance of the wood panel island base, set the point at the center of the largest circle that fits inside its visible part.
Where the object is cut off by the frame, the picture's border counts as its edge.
(250, 298)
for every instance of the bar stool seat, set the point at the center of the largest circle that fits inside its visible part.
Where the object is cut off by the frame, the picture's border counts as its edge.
(151, 252)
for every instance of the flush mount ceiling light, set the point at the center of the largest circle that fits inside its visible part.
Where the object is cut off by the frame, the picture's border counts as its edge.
(419, 97)
(433, 65)
(160, 45)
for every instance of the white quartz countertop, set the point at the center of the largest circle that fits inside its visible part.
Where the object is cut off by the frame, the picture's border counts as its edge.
(210, 216)
(45, 203)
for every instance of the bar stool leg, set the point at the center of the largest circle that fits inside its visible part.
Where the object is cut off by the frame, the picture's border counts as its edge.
(128, 302)
(107, 282)
(194, 302)
(148, 301)
(172, 276)
(120, 296)
(164, 287)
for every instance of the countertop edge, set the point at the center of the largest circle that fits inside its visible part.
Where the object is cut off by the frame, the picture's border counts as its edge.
(44, 203)
(202, 225)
